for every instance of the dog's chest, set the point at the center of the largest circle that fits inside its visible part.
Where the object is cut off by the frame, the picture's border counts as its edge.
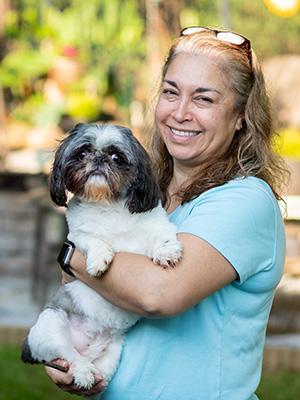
(114, 224)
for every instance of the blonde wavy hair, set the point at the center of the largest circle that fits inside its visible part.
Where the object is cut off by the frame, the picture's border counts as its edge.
(252, 151)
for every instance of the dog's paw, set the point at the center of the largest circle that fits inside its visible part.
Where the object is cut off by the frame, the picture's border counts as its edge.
(83, 374)
(169, 254)
(97, 266)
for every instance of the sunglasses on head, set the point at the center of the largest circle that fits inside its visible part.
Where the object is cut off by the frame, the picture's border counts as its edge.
(227, 36)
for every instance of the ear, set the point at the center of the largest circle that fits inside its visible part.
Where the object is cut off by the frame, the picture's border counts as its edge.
(58, 190)
(57, 181)
(57, 184)
(143, 195)
(239, 122)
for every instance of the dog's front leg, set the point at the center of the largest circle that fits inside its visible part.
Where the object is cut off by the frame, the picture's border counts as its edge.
(164, 248)
(98, 254)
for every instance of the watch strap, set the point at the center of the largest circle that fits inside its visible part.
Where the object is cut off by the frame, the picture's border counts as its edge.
(64, 256)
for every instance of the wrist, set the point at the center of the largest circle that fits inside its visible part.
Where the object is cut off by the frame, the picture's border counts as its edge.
(65, 255)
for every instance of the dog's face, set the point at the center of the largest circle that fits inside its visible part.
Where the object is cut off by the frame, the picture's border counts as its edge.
(104, 163)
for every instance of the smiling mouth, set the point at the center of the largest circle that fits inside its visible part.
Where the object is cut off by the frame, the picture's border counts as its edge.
(184, 133)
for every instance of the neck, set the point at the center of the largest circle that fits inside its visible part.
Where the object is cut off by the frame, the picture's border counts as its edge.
(181, 176)
(179, 181)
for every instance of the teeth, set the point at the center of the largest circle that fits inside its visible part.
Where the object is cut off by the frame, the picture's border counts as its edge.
(183, 133)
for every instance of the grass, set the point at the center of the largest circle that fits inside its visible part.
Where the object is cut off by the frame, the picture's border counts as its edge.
(282, 385)
(20, 381)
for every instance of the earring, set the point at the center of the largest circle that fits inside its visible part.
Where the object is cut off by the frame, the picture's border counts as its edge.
(242, 125)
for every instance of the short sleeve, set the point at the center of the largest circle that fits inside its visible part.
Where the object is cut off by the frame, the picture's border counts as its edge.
(239, 220)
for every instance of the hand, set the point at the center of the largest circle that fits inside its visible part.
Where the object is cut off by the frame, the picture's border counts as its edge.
(65, 381)
(66, 278)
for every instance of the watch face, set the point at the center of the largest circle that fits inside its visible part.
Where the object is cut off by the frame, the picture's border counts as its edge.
(65, 253)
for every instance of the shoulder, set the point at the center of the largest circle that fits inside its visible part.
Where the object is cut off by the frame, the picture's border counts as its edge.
(240, 199)
(237, 218)
(246, 190)
(250, 196)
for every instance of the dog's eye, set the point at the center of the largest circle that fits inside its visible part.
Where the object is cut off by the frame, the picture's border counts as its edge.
(115, 158)
(82, 154)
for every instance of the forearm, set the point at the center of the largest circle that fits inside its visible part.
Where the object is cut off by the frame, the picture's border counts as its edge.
(134, 283)
(129, 283)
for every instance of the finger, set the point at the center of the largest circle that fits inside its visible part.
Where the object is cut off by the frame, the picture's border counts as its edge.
(59, 377)
(99, 387)
(56, 366)
(66, 278)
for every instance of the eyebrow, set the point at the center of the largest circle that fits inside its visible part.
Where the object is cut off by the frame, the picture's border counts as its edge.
(197, 90)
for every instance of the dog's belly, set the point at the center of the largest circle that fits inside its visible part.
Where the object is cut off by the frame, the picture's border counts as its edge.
(88, 343)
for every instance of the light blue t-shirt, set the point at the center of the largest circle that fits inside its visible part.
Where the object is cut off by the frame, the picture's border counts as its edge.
(214, 350)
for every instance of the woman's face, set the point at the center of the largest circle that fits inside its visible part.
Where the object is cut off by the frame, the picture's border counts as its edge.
(195, 113)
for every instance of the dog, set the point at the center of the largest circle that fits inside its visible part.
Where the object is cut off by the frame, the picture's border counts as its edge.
(115, 207)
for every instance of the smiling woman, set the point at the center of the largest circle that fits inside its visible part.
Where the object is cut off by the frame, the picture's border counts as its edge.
(196, 114)
(204, 324)
(219, 98)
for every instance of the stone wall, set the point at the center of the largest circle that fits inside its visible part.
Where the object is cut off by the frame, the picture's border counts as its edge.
(20, 214)
(17, 232)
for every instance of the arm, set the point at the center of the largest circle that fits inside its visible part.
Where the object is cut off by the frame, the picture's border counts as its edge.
(134, 283)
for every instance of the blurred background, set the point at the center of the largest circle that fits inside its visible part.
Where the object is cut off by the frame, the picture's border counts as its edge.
(69, 61)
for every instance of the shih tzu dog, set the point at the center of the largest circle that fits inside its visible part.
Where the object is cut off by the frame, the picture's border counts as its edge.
(115, 207)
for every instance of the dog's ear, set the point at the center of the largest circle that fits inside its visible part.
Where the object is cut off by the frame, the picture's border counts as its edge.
(143, 195)
(58, 190)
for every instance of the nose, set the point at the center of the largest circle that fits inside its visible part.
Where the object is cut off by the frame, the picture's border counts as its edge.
(181, 110)
(98, 160)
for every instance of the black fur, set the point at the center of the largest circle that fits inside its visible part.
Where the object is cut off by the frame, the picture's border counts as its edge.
(58, 190)
(142, 194)
(26, 355)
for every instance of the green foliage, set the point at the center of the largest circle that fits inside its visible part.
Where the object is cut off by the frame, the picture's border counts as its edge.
(109, 38)
(80, 105)
(23, 381)
(270, 35)
(37, 112)
(19, 68)
(282, 385)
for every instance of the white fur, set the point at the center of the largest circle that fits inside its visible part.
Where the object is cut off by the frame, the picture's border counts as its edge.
(78, 324)
(92, 336)
(115, 229)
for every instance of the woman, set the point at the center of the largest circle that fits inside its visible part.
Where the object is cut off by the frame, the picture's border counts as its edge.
(205, 320)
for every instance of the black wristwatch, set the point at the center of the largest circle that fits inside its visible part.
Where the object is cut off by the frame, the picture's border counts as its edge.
(64, 256)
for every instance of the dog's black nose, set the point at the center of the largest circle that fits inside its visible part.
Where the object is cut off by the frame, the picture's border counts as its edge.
(98, 160)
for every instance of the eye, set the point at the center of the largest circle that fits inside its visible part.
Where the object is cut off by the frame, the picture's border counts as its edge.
(203, 100)
(115, 158)
(169, 92)
(82, 154)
